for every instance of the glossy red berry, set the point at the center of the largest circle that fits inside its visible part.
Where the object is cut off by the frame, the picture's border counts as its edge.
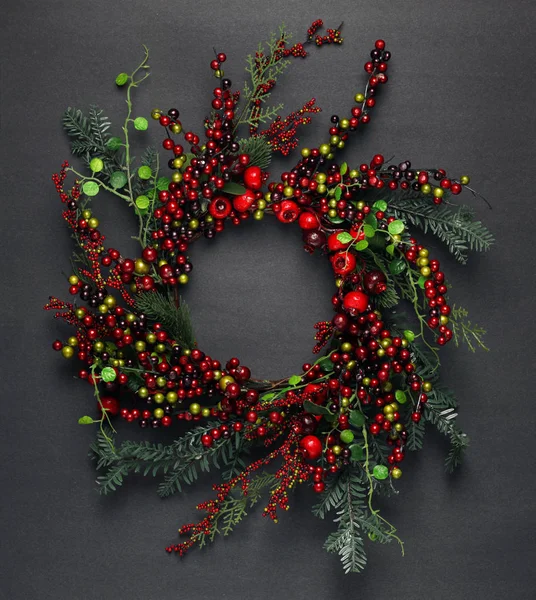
(253, 178)
(243, 202)
(312, 445)
(355, 301)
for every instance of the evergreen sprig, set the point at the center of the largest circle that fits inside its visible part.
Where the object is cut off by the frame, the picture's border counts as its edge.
(176, 320)
(264, 67)
(234, 508)
(455, 226)
(258, 150)
(347, 540)
(180, 462)
(463, 331)
(91, 138)
(439, 410)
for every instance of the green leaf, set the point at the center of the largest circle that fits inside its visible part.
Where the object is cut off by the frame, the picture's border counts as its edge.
(401, 396)
(395, 227)
(356, 452)
(108, 374)
(390, 249)
(326, 364)
(96, 165)
(267, 397)
(141, 124)
(421, 281)
(338, 193)
(90, 188)
(337, 220)
(162, 184)
(369, 230)
(316, 409)
(361, 245)
(121, 79)
(409, 335)
(118, 179)
(234, 188)
(356, 418)
(397, 266)
(294, 380)
(144, 172)
(380, 205)
(85, 420)
(114, 143)
(372, 221)
(344, 168)
(142, 202)
(344, 237)
(380, 472)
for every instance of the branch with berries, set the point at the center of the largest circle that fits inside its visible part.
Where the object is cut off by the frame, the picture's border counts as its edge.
(344, 424)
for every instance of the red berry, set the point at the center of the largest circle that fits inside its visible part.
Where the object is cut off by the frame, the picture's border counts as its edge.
(312, 445)
(343, 263)
(289, 211)
(356, 301)
(207, 440)
(243, 202)
(308, 220)
(220, 207)
(253, 178)
(109, 404)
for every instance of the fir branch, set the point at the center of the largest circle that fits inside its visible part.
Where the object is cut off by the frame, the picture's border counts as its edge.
(176, 320)
(259, 152)
(180, 462)
(455, 227)
(463, 331)
(440, 412)
(331, 498)
(347, 540)
(90, 136)
(415, 431)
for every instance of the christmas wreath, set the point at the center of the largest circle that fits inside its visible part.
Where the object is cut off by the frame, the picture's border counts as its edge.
(344, 424)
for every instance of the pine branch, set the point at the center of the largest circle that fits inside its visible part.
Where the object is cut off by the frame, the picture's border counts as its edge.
(440, 411)
(455, 227)
(463, 331)
(91, 138)
(415, 431)
(176, 320)
(347, 540)
(181, 461)
(331, 498)
(259, 152)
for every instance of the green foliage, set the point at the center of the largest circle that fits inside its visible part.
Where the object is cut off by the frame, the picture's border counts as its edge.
(347, 540)
(176, 320)
(234, 508)
(463, 331)
(271, 68)
(260, 153)
(440, 411)
(455, 226)
(415, 432)
(179, 462)
(90, 136)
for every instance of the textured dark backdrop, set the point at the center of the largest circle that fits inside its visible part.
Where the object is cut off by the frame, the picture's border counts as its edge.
(460, 95)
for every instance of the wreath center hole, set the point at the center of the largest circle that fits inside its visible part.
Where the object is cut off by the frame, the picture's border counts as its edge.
(256, 294)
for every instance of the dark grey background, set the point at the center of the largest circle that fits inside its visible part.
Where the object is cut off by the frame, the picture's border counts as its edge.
(460, 96)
